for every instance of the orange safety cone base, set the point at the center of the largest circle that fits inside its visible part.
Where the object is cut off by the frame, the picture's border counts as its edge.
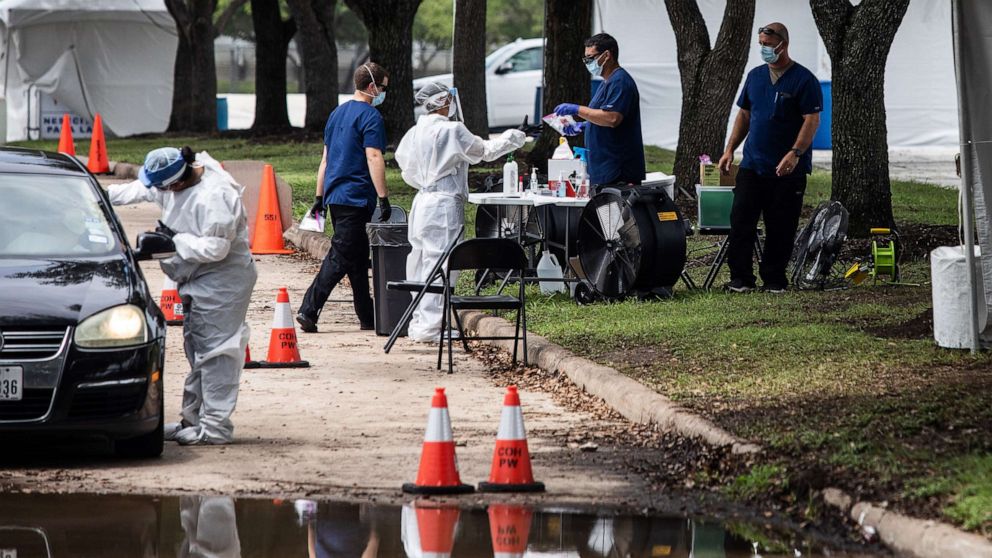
(263, 251)
(412, 488)
(521, 487)
(173, 322)
(267, 364)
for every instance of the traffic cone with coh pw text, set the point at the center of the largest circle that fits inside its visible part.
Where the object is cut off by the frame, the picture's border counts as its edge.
(66, 145)
(170, 303)
(438, 472)
(267, 238)
(98, 163)
(283, 350)
(511, 470)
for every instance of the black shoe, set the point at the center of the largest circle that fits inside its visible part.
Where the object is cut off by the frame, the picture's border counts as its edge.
(366, 327)
(306, 324)
(773, 288)
(739, 286)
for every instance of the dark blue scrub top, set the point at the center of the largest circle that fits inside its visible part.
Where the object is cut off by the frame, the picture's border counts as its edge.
(616, 154)
(777, 115)
(351, 128)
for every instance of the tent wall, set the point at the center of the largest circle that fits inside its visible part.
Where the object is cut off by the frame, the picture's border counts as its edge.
(117, 62)
(973, 36)
(919, 86)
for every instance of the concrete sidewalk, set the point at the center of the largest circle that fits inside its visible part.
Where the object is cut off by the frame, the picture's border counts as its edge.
(350, 426)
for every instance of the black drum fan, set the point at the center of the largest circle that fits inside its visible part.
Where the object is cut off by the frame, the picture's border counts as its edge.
(631, 242)
(817, 247)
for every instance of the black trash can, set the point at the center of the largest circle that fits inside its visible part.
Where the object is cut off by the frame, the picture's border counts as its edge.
(390, 248)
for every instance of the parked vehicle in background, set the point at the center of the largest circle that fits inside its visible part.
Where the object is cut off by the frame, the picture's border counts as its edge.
(82, 341)
(513, 74)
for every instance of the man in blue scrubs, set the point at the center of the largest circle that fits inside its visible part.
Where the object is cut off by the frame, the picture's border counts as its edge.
(780, 108)
(613, 118)
(348, 183)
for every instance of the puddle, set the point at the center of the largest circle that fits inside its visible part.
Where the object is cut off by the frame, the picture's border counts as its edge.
(209, 526)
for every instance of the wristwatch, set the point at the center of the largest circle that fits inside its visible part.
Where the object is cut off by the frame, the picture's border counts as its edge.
(797, 151)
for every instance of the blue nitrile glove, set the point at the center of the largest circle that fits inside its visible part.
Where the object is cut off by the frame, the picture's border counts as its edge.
(567, 109)
(574, 129)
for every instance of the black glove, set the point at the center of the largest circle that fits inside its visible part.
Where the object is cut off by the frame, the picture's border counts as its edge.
(385, 210)
(318, 207)
(163, 229)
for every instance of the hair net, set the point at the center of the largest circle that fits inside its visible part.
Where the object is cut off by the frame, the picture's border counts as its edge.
(433, 96)
(163, 166)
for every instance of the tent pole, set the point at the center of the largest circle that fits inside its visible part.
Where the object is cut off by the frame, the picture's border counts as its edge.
(967, 193)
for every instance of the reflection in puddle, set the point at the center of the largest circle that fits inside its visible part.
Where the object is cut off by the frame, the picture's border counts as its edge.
(220, 527)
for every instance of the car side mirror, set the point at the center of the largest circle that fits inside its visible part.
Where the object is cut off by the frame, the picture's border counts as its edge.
(504, 68)
(154, 246)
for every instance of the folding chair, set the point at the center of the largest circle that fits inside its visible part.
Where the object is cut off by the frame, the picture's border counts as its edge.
(421, 288)
(483, 253)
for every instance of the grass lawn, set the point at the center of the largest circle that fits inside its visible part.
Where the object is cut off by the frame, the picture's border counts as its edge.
(844, 386)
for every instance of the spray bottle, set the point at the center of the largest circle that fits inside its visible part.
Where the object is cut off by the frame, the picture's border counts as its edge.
(510, 172)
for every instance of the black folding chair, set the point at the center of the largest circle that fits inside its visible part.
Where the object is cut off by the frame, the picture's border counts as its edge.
(484, 253)
(421, 288)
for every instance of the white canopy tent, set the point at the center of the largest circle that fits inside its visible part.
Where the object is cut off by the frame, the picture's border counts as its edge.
(113, 57)
(919, 78)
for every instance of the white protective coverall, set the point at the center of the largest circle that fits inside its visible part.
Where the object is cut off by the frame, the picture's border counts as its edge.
(216, 275)
(434, 157)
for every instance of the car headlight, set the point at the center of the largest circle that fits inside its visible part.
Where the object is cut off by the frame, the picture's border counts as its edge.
(119, 326)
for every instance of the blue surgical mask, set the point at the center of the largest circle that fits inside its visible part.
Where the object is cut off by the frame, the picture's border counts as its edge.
(378, 99)
(769, 54)
(594, 67)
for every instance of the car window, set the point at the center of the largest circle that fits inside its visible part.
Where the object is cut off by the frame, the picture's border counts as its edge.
(50, 216)
(527, 60)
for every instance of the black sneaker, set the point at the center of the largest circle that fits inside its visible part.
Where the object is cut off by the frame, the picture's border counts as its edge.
(366, 327)
(306, 324)
(739, 286)
(773, 288)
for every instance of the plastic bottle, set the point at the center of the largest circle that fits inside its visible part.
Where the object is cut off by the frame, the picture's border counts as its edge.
(548, 268)
(520, 186)
(509, 175)
(563, 151)
(534, 185)
(560, 190)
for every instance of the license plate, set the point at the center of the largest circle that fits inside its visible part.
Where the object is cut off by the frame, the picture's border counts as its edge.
(11, 384)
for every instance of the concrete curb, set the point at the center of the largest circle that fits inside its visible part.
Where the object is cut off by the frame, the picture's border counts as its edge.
(628, 397)
(915, 537)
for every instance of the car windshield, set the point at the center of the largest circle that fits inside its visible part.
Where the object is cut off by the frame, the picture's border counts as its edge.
(49, 216)
(497, 54)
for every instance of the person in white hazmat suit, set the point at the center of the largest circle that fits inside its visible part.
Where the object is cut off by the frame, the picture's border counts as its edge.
(203, 213)
(434, 157)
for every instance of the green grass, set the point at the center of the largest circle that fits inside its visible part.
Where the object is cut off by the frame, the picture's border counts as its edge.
(760, 479)
(821, 379)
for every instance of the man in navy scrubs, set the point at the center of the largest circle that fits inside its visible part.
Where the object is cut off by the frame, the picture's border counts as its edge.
(613, 118)
(780, 108)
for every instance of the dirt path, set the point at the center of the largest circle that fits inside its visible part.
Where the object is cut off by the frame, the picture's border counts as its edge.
(348, 427)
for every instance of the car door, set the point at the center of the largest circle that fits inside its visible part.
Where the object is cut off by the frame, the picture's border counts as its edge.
(511, 87)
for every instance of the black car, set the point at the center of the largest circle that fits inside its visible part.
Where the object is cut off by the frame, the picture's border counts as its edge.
(82, 342)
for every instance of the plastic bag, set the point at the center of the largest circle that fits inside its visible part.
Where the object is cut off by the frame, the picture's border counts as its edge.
(312, 222)
(559, 123)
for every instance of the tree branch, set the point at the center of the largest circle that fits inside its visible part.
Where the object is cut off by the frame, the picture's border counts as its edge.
(733, 38)
(181, 14)
(222, 21)
(832, 18)
(879, 20)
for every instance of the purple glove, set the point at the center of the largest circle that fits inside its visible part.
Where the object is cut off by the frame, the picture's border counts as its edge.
(574, 129)
(567, 109)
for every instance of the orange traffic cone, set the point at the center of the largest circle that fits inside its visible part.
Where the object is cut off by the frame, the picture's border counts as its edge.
(283, 350)
(267, 238)
(170, 303)
(511, 471)
(249, 363)
(509, 527)
(98, 163)
(429, 528)
(66, 145)
(438, 472)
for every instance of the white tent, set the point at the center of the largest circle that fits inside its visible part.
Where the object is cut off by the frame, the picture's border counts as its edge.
(113, 57)
(920, 97)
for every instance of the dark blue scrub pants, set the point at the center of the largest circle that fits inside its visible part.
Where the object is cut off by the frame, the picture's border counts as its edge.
(779, 201)
(349, 255)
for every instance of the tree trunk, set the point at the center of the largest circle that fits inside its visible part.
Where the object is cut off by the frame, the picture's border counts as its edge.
(194, 96)
(858, 39)
(709, 80)
(567, 24)
(469, 63)
(272, 36)
(315, 22)
(390, 27)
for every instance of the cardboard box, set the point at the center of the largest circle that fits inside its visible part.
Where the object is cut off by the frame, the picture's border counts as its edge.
(710, 175)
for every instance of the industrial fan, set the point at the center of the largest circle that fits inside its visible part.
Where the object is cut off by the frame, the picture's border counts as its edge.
(630, 242)
(818, 245)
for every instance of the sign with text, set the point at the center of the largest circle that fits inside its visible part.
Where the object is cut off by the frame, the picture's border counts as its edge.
(51, 120)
